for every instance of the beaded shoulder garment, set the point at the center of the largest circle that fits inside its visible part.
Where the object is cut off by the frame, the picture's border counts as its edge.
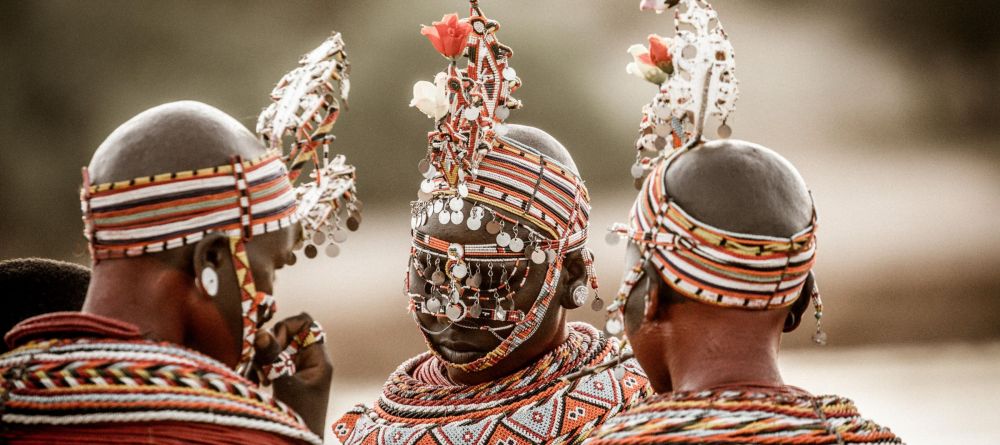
(110, 374)
(742, 416)
(534, 405)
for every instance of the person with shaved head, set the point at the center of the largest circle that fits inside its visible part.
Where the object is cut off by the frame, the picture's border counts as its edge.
(188, 217)
(498, 257)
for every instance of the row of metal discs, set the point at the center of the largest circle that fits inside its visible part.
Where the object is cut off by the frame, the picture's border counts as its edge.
(332, 235)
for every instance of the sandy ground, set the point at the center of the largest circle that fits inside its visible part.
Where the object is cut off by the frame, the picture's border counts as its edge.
(929, 395)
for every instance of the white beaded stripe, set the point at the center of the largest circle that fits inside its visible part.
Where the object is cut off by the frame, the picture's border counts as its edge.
(273, 167)
(148, 398)
(165, 415)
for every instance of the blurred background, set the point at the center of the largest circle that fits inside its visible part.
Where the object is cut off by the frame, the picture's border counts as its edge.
(889, 110)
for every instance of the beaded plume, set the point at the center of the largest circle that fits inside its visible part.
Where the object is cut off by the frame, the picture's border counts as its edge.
(536, 208)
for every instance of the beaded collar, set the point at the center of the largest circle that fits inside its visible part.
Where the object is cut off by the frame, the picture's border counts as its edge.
(742, 416)
(533, 405)
(78, 369)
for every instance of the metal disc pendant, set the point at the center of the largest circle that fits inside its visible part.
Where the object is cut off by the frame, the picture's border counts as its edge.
(538, 256)
(292, 259)
(432, 305)
(612, 238)
(463, 190)
(471, 113)
(444, 217)
(503, 239)
(499, 313)
(426, 186)
(438, 206)
(310, 251)
(637, 171)
(493, 227)
(423, 166)
(517, 244)
(502, 113)
(475, 280)
(332, 250)
(597, 304)
(438, 277)
(476, 310)
(613, 326)
(509, 73)
(353, 222)
(661, 111)
(318, 237)
(457, 217)
(456, 311)
(725, 131)
(459, 271)
(474, 223)
(413, 221)
(339, 235)
(430, 173)
(662, 130)
(456, 204)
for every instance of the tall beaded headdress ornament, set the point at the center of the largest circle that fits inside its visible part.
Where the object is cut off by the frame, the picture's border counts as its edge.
(695, 71)
(243, 198)
(470, 161)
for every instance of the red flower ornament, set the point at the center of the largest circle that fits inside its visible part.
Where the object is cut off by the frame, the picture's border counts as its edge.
(449, 36)
(659, 55)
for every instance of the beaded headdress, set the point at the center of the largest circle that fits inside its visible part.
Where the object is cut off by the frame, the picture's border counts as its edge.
(471, 161)
(695, 72)
(243, 198)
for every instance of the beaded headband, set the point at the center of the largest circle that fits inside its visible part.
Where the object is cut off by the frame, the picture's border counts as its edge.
(471, 160)
(241, 199)
(695, 71)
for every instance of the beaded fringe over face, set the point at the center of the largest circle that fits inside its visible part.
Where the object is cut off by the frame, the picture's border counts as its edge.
(243, 199)
(101, 380)
(470, 160)
(531, 406)
(742, 417)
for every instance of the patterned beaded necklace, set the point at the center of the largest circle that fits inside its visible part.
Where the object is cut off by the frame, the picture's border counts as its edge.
(778, 416)
(107, 372)
(533, 405)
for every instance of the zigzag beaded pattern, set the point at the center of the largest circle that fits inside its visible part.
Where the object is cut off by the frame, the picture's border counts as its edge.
(89, 381)
(713, 265)
(742, 417)
(528, 407)
(161, 212)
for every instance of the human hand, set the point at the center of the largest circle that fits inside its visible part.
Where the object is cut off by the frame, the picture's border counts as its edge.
(293, 358)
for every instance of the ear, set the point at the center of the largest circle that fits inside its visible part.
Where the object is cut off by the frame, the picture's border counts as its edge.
(574, 275)
(212, 251)
(800, 305)
(651, 308)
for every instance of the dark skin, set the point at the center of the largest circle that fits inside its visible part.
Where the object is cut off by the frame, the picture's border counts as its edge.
(685, 345)
(159, 292)
(462, 345)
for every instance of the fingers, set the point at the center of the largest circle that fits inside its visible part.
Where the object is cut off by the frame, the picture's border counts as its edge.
(267, 348)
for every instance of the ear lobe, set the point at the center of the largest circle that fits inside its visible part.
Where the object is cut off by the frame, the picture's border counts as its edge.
(575, 276)
(800, 305)
(210, 252)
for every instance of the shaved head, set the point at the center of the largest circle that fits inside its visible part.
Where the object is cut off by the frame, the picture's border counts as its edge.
(172, 137)
(741, 187)
(543, 142)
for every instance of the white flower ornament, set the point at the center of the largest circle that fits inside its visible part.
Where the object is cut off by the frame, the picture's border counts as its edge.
(432, 98)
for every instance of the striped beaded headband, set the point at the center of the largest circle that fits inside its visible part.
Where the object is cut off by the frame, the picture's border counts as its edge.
(709, 264)
(166, 211)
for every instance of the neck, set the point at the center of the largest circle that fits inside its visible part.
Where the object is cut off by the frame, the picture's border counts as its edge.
(141, 291)
(722, 353)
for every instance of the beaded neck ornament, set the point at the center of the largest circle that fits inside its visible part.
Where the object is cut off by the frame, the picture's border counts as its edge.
(537, 208)
(245, 197)
(695, 71)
